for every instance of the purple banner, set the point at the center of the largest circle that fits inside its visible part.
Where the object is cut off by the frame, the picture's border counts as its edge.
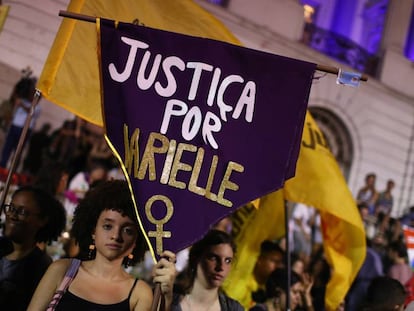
(202, 126)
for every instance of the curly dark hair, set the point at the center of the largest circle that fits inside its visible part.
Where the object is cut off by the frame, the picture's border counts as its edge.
(51, 209)
(108, 195)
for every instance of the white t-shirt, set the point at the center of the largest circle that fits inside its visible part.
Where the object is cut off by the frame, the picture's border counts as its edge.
(304, 213)
(20, 116)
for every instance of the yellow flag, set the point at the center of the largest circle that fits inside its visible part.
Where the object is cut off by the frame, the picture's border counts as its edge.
(70, 77)
(4, 10)
(252, 224)
(318, 182)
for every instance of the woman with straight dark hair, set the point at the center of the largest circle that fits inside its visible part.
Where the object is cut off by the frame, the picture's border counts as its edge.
(209, 263)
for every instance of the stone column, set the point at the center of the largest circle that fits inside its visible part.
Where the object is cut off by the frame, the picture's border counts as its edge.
(397, 24)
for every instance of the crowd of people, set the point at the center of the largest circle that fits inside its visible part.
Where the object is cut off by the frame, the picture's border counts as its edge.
(69, 226)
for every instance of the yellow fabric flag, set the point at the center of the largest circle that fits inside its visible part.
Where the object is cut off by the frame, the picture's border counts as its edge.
(318, 182)
(252, 224)
(4, 10)
(70, 77)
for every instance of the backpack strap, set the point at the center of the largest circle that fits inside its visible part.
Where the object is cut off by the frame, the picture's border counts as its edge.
(69, 276)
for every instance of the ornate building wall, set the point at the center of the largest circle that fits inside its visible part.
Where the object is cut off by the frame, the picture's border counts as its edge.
(370, 128)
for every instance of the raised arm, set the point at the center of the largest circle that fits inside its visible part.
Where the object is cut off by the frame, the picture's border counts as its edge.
(164, 273)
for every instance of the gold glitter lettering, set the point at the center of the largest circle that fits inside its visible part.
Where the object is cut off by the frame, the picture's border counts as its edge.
(192, 185)
(227, 184)
(131, 150)
(148, 159)
(160, 144)
(213, 168)
(168, 162)
(159, 234)
(180, 166)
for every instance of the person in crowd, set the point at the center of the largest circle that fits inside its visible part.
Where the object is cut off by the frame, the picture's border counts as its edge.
(82, 181)
(33, 216)
(64, 140)
(384, 294)
(409, 288)
(52, 177)
(297, 263)
(316, 231)
(385, 200)
(371, 268)
(80, 184)
(368, 193)
(274, 298)
(320, 271)
(21, 98)
(225, 224)
(107, 231)
(368, 220)
(37, 150)
(271, 257)
(407, 218)
(400, 269)
(209, 263)
(302, 231)
(101, 152)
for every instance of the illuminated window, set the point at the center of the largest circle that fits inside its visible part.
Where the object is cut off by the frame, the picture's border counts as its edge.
(222, 3)
(409, 43)
(349, 31)
(308, 12)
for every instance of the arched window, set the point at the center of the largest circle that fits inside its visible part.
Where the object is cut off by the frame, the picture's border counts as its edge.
(337, 136)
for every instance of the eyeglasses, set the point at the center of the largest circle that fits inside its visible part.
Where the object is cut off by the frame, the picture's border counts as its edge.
(21, 212)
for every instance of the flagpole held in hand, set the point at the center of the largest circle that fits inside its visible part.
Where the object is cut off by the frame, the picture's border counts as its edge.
(157, 297)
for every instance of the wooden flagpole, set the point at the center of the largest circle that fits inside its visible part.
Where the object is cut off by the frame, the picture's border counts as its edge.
(91, 19)
(19, 148)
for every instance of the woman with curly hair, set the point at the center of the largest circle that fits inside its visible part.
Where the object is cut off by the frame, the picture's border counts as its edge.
(209, 263)
(32, 217)
(107, 231)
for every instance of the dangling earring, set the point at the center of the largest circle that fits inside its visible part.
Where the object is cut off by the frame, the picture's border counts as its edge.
(91, 251)
(128, 260)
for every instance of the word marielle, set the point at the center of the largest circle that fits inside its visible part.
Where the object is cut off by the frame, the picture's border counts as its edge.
(173, 165)
(193, 120)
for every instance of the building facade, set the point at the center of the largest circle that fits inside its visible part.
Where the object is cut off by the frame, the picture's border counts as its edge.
(370, 129)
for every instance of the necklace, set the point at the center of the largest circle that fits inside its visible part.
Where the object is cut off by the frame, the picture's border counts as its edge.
(190, 306)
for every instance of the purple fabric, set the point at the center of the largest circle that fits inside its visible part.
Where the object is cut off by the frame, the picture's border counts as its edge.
(276, 91)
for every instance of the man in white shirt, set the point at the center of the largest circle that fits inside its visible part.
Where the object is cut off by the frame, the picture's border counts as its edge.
(302, 230)
(22, 99)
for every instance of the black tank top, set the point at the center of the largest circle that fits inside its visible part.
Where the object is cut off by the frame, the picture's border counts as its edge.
(70, 302)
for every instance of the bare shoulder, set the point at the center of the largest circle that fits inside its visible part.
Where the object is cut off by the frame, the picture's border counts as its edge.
(60, 265)
(142, 289)
(58, 268)
(141, 297)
